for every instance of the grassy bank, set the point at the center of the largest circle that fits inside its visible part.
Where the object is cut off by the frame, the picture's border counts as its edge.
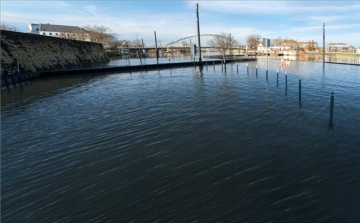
(333, 53)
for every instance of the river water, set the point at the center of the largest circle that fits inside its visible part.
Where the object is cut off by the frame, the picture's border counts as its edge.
(183, 145)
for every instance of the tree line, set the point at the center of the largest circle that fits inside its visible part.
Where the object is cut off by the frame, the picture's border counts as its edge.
(105, 36)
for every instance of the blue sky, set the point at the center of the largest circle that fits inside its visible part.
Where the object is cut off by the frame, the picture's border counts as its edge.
(299, 20)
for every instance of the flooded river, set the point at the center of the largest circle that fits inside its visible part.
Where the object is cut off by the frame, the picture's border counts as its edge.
(183, 145)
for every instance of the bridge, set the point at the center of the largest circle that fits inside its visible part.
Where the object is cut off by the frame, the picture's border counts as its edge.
(184, 44)
(203, 39)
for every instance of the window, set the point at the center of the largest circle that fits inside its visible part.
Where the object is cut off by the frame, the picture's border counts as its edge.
(56, 34)
(50, 34)
(44, 34)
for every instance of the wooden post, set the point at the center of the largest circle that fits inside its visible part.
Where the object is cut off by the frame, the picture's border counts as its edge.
(300, 93)
(331, 109)
(323, 44)
(157, 51)
(198, 34)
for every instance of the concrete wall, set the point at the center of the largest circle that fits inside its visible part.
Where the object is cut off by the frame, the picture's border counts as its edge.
(41, 53)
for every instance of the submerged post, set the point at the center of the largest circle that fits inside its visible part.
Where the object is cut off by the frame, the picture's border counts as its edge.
(324, 44)
(285, 81)
(157, 51)
(198, 33)
(247, 68)
(300, 93)
(18, 66)
(237, 68)
(256, 70)
(139, 56)
(331, 108)
(277, 76)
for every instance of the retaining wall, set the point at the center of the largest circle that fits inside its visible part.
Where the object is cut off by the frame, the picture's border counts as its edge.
(41, 53)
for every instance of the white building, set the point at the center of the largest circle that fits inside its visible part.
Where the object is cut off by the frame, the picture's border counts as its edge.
(340, 47)
(67, 32)
(272, 49)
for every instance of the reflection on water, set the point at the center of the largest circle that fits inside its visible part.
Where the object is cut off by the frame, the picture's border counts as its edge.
(178, 145)
(184, 57)
(318, 58)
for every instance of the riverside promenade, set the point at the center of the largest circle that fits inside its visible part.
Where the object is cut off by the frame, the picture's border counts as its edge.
(14, 79)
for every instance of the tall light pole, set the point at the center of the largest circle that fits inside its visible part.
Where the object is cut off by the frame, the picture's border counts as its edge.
(198, 33)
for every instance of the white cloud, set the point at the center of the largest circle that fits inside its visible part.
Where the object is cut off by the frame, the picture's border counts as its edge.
(327, 27)
(92, 9)
(270, 7)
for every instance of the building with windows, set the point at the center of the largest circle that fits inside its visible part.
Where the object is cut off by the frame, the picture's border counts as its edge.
(340, 47)
(66, 32)
(311, 46)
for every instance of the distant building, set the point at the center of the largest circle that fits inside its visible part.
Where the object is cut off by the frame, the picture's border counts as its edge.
(311, 45)
(340, 47)
(358, 50)
(66, 32)
(272, 49)
(293, 44)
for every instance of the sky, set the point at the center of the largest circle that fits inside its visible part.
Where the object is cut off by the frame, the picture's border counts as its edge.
(172, 20)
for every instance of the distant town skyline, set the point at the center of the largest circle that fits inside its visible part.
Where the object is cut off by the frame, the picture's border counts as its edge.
(298, 20)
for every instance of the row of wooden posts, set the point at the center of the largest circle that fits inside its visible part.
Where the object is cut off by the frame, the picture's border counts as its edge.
(277, 81)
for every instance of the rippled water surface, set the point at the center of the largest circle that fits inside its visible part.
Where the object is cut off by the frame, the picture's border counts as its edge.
(181, 145)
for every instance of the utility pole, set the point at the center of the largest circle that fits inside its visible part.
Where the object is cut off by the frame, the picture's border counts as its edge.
(198, 32)
(157, 52)
(323, 44)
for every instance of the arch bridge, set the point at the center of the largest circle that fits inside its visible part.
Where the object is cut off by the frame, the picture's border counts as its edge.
(204, 38)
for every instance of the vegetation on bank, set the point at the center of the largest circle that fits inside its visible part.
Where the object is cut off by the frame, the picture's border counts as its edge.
(333, 53)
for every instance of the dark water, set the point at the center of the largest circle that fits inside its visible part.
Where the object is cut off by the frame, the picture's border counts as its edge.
(176, 145)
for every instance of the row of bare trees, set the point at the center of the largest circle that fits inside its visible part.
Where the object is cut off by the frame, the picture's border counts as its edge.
(8, 28)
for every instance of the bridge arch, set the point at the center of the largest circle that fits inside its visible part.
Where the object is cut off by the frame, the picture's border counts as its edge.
(202, 35)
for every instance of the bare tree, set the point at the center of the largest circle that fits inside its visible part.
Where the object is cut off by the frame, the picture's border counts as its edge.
(98, 34)
(184, 43)
(135, 43)
(311, 46)
(252, 40)
(113, 42)
(9, 28)
(277, 41)
(222, 43)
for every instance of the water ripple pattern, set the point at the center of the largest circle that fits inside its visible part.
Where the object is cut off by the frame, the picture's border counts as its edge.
(184, 146)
